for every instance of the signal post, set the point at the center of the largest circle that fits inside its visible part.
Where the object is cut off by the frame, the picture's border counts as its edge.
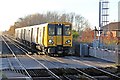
(118, 39)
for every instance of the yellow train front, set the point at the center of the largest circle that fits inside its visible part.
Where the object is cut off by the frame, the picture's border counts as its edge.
(59, 38)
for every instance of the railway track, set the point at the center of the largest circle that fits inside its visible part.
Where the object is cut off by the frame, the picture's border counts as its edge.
(14, 69)
(28, 71)
(95, 72)
(68, 73)
(53, 72)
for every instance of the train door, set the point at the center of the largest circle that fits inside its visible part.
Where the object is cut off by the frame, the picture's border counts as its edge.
(31, 34)
(17, 35)
(59, 34)
(43, 35)
(37, 35)
(21, 37)
(24, 34)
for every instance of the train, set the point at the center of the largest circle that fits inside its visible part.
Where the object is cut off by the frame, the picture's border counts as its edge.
(51, 38)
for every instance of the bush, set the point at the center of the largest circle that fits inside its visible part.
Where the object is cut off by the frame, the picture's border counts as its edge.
(75, 34)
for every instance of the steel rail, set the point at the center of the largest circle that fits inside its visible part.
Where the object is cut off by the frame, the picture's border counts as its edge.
(106, 72)
(87, 76)
(23, 49)
(29, 77)
(10, 64)
(85, 63)
(67, 78)
(92, 67)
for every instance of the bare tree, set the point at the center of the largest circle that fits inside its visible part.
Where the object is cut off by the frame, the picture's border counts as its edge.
(70, 17)
(52, 16)
(63, 17)
(80, 23)
(35, 19)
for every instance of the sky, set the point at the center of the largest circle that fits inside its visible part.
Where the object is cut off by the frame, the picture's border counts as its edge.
(11, 10)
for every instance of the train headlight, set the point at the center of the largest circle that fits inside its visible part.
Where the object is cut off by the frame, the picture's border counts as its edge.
(68, 41)
(51, 41)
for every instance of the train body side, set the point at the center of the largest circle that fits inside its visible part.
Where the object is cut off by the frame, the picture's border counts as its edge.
(31, 34)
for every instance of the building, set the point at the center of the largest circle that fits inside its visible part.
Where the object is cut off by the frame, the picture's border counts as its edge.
(113, 27)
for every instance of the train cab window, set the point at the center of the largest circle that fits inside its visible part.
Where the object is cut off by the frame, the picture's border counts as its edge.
(51, 30)
(59, 31)
(67, 30)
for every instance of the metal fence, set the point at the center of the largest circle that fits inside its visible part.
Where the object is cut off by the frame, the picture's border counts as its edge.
(109, 47)
(103, 54)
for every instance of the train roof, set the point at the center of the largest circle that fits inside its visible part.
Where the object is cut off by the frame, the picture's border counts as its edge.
(59, 23)
(44, 24)
(33, 26)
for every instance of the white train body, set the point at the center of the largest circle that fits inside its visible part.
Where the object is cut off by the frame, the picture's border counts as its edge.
(30, 34)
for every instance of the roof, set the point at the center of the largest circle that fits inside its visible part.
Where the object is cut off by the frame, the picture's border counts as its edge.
(112, 26)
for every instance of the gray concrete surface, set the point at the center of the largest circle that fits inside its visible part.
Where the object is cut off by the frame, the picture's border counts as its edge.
(56, 62)
(53, 62)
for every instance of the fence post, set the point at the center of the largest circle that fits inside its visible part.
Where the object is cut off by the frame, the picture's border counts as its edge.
(118, 58)
(117, 55)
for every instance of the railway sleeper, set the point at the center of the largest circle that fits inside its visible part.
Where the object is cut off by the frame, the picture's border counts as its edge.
(43, 78)
(66, 74)
(16, 71)
(38, 72)
(98, 74)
